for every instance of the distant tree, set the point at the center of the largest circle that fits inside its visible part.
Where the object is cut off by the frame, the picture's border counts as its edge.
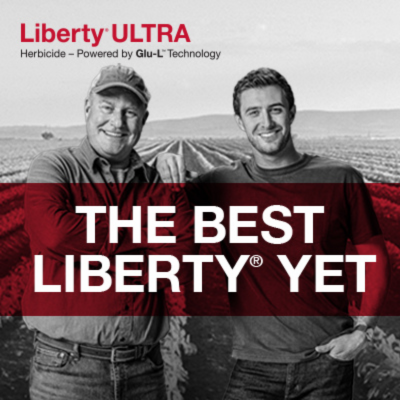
(47, 136)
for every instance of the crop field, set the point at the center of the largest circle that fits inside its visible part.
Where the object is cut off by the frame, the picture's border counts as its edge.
(377, 366)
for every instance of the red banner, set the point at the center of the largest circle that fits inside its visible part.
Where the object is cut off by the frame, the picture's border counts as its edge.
(281, 249)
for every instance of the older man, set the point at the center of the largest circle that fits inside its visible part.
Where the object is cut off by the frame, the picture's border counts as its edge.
(101, 344)
(291, 342)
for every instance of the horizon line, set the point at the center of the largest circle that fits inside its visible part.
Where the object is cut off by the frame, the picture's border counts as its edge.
(207, 115)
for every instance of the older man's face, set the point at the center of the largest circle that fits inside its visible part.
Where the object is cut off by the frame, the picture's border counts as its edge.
(114, 122)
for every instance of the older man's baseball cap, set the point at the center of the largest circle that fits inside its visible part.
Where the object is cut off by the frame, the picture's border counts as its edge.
(120, 76)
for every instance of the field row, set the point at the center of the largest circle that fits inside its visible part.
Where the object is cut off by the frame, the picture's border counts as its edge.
(379, 161)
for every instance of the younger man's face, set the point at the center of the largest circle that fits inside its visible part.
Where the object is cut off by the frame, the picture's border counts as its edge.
(266, 118)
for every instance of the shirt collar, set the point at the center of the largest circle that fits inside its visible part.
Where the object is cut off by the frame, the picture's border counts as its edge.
(91, 159)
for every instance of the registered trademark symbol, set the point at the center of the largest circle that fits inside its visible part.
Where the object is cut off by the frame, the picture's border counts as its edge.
(106, 29)
(256, 261)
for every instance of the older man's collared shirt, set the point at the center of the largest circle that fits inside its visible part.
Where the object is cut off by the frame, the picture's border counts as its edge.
(58, 181)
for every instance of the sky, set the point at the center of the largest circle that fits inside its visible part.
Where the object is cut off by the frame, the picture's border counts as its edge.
(337, 55)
